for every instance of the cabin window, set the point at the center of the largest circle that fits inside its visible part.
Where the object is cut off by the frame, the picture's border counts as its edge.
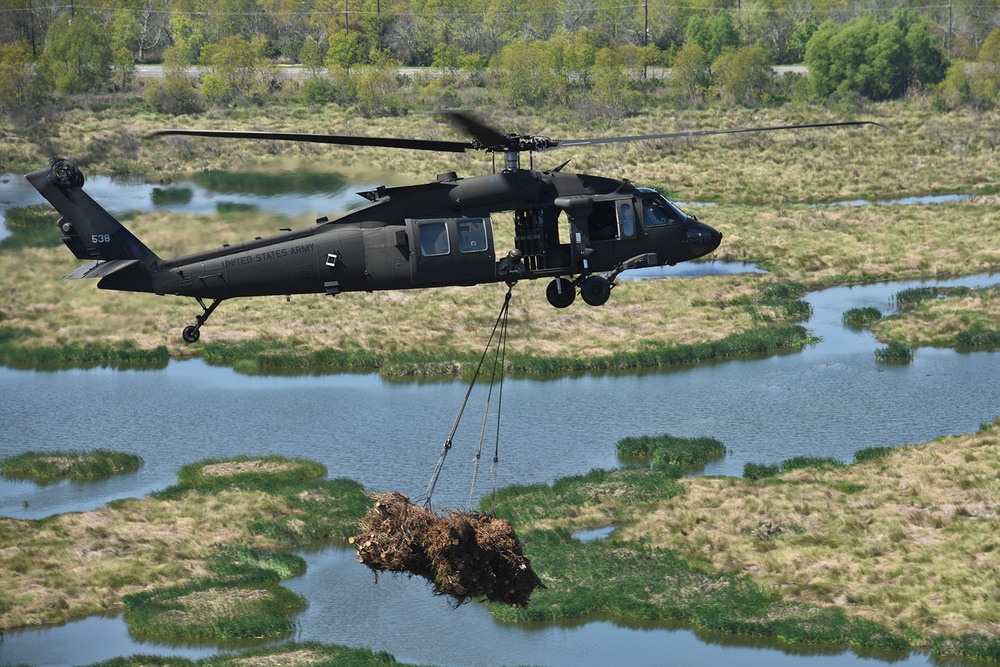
(434, 239)
(472, 235)
(626, 221)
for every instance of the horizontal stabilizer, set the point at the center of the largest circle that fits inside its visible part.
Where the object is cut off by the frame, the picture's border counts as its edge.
(100, 269)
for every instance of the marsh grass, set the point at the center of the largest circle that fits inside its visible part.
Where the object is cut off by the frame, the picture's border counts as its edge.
(894, 353)
(909, 299)
(98, 354)
(647, 323)
(247, 607)
(860, 318)
(962, 317)
(635, 580)
(893, 538)
(214, 527)
(669, 450)
(893, 552)
(76, 464)
(753, 471)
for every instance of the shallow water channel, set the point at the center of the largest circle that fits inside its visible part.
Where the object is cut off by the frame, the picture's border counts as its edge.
(829, 400)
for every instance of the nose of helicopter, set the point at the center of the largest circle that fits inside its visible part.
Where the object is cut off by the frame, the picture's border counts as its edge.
(702, 239)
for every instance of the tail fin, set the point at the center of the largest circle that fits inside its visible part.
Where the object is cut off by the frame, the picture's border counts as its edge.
(90, 232)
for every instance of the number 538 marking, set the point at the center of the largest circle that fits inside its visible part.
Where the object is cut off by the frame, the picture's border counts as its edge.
(100, 238)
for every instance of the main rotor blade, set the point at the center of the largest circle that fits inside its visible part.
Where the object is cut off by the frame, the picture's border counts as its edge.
(701, 133)
(484, 134)
(340, 139)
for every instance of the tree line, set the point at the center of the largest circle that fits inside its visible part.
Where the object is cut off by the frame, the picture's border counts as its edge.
(545, 52)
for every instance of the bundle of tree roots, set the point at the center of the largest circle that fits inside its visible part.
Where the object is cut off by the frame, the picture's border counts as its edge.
(464, 554)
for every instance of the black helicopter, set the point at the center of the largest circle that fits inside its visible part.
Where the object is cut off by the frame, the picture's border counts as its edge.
(430, 235)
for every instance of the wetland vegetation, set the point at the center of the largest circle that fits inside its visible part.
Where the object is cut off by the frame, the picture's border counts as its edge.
(82, 464)
(894, 551)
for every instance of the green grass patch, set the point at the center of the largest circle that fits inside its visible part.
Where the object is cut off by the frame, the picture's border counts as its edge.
(121, 356)
(763, 470)
(240, 561)
(909, 299)
(753, 470)
(862, 317)
(568, 497)
(242, 608)
(978, 337)
(974, 644)
(894, 353)
(872, 454)
(777, 301)
(75, 464)
(669, 450)
(34, 226)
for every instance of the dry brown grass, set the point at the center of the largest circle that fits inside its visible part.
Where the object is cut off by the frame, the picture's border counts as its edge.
(231, 468)
(284, 659)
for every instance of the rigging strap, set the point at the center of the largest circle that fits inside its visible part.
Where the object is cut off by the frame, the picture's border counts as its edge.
(501, 318)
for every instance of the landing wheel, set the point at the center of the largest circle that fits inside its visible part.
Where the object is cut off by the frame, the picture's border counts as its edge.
(560, 293)
(595, 290)
(191, 334)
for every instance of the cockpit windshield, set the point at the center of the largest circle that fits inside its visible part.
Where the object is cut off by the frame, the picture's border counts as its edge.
(658, 212)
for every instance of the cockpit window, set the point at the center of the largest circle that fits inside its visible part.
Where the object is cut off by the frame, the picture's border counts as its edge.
(658, 212)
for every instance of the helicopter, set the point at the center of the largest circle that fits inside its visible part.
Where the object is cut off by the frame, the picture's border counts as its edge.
(579, 231)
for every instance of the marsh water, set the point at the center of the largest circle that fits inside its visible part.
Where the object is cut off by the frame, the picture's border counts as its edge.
(831, 399)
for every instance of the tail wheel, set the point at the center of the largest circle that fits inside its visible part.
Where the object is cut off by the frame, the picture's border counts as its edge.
(595, 290)
(191, 334)
(560, 293)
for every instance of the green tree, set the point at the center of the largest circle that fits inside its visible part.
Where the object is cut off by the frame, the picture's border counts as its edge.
(985, 80)
(876, 60)
(743, 75)
(378, 89)
(345, 50)
(722, 34)
(713, 36)
(522, 75)
(692, 75)
(612, 90)
(240, 71)
(17, 77)
(176, 93)
(77, 56)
